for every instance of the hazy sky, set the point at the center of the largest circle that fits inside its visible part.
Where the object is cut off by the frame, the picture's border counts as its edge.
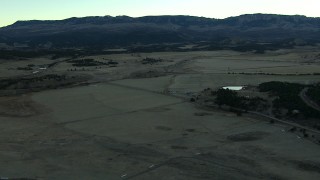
(13, 10)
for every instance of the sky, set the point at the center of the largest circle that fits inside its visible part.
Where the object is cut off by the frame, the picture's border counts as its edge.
(14, 10)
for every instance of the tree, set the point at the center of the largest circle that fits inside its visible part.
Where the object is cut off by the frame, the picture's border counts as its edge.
(228, 97)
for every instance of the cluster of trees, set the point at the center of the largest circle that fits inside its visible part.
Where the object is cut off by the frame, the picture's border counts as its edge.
(151, 61)
(54, 77)
(24, 68)
(232, 99)
(281, 88)
(227, 97)
(90, 62)
(314, 93)
(287, 97)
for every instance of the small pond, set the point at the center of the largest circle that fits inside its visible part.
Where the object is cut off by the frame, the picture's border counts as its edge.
(233, 88)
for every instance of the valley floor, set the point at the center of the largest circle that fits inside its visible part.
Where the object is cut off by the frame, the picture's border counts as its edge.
(135, 121)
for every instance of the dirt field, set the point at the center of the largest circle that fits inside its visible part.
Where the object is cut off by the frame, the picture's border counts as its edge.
(122, 126)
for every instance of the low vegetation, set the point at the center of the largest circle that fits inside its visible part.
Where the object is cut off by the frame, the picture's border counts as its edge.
(29, 84)
(24, 83)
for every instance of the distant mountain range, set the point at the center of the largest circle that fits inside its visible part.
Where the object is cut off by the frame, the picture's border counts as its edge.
(107, 31)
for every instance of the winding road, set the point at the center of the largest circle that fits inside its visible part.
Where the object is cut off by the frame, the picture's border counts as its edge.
(303, 95)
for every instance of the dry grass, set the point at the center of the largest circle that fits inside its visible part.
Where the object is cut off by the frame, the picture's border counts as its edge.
(133, 127)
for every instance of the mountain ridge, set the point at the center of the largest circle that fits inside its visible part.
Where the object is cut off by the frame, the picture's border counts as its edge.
(126, 19)
(102, 31)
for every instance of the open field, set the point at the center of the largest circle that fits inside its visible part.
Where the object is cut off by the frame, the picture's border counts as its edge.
(135, 121)
(8, 68)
